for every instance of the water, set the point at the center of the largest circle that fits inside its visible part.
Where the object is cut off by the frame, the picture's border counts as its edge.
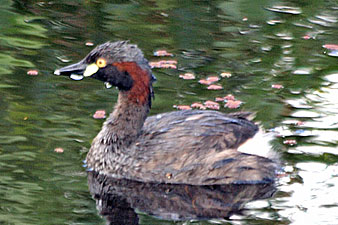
(263, 44)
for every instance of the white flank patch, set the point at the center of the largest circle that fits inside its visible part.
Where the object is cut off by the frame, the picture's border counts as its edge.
(259, 145)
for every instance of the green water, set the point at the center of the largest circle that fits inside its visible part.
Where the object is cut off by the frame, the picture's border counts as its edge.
(259, 43)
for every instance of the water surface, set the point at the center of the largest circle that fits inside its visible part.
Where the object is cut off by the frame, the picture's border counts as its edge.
(291, 44)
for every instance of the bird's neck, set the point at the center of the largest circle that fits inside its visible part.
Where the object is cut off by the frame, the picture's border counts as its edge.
(110, 147)
(110, 150)
(126, 121)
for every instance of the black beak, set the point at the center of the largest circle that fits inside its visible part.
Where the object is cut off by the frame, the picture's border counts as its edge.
(77, 68)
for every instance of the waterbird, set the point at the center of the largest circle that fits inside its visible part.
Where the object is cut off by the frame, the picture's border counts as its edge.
(195, 147)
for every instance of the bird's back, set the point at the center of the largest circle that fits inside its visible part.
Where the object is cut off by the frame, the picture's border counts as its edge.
(199, 147)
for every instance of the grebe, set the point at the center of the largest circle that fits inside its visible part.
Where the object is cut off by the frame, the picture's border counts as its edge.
(193, 147)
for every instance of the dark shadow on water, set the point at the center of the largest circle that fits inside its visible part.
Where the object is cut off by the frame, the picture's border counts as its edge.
(117, 199)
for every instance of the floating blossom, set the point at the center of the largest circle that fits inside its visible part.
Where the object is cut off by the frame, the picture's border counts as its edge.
(214, 87)
(167, 64)
(213, 79)
(225, 98)
(99, 114)
(233, 104)
(277, 86)
(209, 80)
(182, 107)
(229, 97)
(187, 76)
(32, 72)
(331, 46)
(162, 53)
(211, 105)
(204, 81)
(230, 100)
(58, 150)
(219, 99)
(198, 105)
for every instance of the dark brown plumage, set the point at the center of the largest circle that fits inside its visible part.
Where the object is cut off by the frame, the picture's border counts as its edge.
(190, 147)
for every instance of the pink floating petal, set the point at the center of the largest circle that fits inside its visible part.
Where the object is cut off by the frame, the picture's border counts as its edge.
(32, 72)
(99, 114)
(209, 80)
(198, 105)
(211, 105)
(214, 87)
(219, 99)
(182, 107)
(229, 97)
(277, 86)
(187, 76)
(168, 66)
(205, 82)
(154, 64)
(213, 79)
(162, 53)
(290, 142)
(225, 98)
(306, 37)
(331, 46)
(58, 150)
(164, 64)
(233, 104)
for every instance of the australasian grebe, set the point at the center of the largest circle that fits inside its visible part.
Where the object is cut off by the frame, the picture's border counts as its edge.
(181, 147)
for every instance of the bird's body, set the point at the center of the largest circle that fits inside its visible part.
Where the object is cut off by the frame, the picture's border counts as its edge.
(191, 147)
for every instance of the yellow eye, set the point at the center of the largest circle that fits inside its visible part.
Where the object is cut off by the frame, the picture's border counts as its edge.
(101, 63)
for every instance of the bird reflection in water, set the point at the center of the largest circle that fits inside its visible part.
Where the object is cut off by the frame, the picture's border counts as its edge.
(117, 199)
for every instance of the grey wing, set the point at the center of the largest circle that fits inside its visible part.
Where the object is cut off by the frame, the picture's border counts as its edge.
(202, 129)
(201, 146)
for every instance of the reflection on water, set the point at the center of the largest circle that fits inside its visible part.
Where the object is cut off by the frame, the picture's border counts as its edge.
(117, 200)
(17, 33)
(291, 45)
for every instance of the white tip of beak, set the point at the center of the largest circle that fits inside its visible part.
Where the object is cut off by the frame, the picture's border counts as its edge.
(57, 72)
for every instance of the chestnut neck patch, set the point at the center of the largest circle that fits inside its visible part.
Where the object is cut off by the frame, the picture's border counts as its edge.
(140, 90)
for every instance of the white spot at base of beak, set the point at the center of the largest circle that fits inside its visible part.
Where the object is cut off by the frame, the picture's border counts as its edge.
(90, 70)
